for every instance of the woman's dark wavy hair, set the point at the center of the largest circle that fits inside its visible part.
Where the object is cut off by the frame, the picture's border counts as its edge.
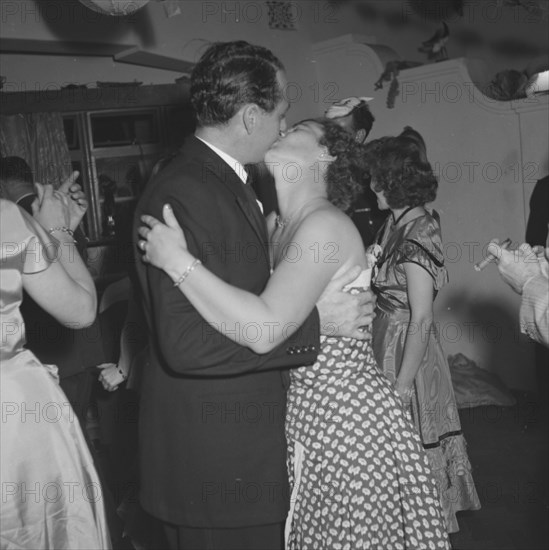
(230, 75)
(14, 169)
(400, 169)
(344, 174)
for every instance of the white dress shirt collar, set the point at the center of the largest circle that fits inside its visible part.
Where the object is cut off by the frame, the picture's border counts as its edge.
(238, 168)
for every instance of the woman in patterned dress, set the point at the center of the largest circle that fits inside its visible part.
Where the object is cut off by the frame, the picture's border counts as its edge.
(358, 474)
(410, 272)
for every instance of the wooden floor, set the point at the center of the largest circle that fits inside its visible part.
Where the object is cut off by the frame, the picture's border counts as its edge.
(508, 448)
(509, 451)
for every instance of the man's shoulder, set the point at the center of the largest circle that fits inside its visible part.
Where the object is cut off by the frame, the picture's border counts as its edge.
(185, 163)
(182, 174)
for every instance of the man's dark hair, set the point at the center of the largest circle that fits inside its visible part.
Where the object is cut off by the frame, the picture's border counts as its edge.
(363, 119)
(15, 169)
(230, 75)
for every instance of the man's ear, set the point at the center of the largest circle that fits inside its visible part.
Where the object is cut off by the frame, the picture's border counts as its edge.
(250, 117)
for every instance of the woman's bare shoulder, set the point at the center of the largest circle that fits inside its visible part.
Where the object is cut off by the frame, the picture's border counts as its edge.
(331, 221)
(329, 226)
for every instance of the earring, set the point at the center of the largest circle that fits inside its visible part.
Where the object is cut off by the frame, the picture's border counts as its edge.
(325, 155)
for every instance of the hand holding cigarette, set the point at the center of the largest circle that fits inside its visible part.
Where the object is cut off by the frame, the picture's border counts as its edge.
(492, 255)
(517, 267)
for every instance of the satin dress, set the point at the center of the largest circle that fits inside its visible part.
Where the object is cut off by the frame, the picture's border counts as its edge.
(51, 496)
(433, 408)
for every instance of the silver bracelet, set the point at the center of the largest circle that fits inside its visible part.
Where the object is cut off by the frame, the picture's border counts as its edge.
(64, 229)
(187, 272)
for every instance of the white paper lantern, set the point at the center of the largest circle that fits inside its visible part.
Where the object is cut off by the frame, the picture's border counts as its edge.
(115, 7)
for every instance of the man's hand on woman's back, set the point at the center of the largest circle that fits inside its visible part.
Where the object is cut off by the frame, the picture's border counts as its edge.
(345, 314)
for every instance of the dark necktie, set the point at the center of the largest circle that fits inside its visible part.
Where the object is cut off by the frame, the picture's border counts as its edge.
(254, 207)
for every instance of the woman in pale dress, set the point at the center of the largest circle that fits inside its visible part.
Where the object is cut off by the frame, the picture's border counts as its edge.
(51, 496)
(358, 474)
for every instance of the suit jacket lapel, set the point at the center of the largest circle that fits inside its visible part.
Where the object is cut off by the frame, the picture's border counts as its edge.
(254, 217)
(228, 177)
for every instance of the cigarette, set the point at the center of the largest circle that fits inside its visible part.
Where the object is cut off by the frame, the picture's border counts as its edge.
(490, 258)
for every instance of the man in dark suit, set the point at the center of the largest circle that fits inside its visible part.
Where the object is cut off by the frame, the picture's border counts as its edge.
(213, 451)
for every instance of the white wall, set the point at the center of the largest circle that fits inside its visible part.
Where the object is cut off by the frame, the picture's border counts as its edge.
(455, 131)
(391, 22)
(183, 36)
(488, 156)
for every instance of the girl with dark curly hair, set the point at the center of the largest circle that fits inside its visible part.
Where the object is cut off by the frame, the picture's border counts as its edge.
(350, 446)
(410, 272)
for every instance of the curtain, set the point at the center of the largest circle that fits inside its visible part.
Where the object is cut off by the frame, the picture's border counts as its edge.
(39, 138)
